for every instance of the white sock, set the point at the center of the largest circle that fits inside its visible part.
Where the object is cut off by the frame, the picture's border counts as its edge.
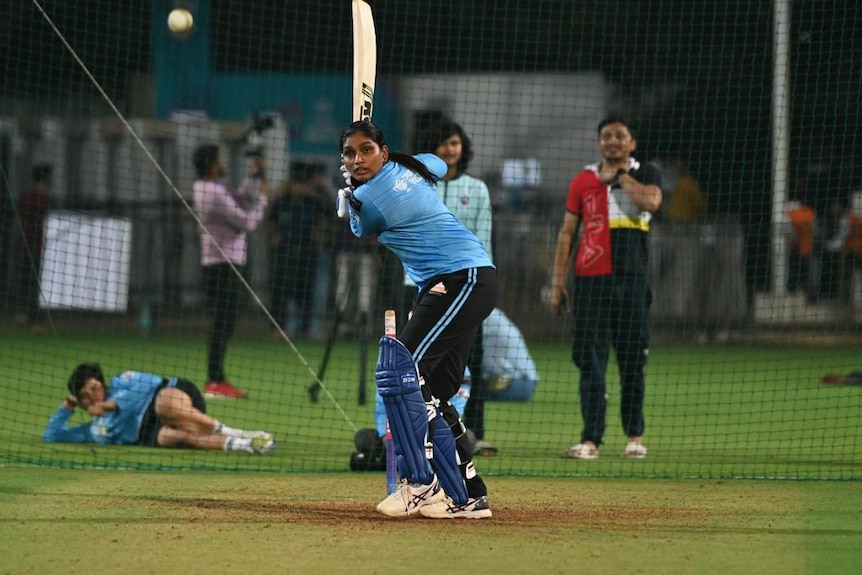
(238, 444)
(223, 429)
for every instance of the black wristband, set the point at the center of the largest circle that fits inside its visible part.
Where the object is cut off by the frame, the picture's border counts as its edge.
(354, 203)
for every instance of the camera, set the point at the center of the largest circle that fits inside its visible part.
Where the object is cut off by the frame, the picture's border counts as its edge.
(260, 123)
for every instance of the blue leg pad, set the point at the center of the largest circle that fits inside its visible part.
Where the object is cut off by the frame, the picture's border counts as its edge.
(446, 461)
(399, 387)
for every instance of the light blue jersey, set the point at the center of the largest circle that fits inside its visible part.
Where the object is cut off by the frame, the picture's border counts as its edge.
(132, 391)
(412, 221)
(468, 198)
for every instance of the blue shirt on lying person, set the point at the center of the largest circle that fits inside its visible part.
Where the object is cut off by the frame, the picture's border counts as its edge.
(132, 391)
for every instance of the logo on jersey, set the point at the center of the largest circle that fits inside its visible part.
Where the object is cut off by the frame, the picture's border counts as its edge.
(438, 289)
(591, 242)
(406, 181)
(400, 185)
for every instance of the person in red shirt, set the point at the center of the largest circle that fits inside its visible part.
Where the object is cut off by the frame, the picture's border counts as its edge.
(611, 202)
(32, 206)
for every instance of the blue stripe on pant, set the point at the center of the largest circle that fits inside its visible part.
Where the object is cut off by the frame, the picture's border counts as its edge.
(445, 318)
(447, 313)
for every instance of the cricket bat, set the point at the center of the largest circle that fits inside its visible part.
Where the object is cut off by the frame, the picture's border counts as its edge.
(364, 77)
(364, 60)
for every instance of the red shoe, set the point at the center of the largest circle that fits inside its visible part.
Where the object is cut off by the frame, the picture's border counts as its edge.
(223, 389)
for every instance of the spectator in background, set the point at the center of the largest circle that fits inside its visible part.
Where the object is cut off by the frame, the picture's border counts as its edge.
(684, 201)
(844, 248)
(296, 213)
(798, 238)
(510, 372)
(615, 199)
(822, 186)
(145, 409)
(687, 204)
(32, 206)
(226, 217)
(468, 198)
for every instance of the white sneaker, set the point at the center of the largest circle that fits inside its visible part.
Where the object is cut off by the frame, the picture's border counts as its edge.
(583, 451)
(410, 497)
(475, 508)
(635, 450)
(242, 443)
(262, 442)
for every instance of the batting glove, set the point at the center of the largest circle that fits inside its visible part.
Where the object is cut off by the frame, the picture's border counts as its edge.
(345, 198)
(341, 203)
(346, 174)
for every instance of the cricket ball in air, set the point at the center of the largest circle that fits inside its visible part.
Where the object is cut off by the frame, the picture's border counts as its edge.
(180, 21)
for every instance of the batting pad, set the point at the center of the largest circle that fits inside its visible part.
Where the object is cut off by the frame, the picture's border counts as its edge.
(398, 385)
(446, 460)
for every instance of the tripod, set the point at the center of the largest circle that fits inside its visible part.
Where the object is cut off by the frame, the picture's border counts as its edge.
(355, 283)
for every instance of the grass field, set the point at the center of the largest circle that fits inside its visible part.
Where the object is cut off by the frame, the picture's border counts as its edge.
(712, 412)
(737, 436)
(99, 521)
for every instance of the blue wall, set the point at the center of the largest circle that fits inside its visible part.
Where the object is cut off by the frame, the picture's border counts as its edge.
(316, 107)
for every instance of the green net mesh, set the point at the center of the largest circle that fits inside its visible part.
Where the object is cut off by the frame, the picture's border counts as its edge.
(749, 110)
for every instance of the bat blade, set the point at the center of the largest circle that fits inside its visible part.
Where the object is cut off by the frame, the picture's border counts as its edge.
(364, 60)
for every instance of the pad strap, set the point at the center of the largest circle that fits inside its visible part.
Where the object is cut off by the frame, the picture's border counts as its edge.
(446, 460)
(399, 386)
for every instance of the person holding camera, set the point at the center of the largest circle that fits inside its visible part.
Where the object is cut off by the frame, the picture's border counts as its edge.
(226, 217)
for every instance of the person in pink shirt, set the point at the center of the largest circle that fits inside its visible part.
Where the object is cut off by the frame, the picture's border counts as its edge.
(226, 218)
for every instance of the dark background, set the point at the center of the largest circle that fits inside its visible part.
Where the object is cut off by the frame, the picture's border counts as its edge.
(698, 74)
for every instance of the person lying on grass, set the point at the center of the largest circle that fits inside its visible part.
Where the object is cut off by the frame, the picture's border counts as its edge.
(145, 409)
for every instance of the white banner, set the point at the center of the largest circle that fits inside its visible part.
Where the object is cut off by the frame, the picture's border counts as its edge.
(85, 264)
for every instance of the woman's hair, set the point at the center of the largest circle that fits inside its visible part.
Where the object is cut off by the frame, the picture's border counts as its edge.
(376, 134)
(205, 156)
(435, 134)
(82, 374)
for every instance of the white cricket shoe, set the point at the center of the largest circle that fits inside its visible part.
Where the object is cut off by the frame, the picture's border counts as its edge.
(583, 451)
(410, 497)
(262, 442)
(475, 508)
(635, 450)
